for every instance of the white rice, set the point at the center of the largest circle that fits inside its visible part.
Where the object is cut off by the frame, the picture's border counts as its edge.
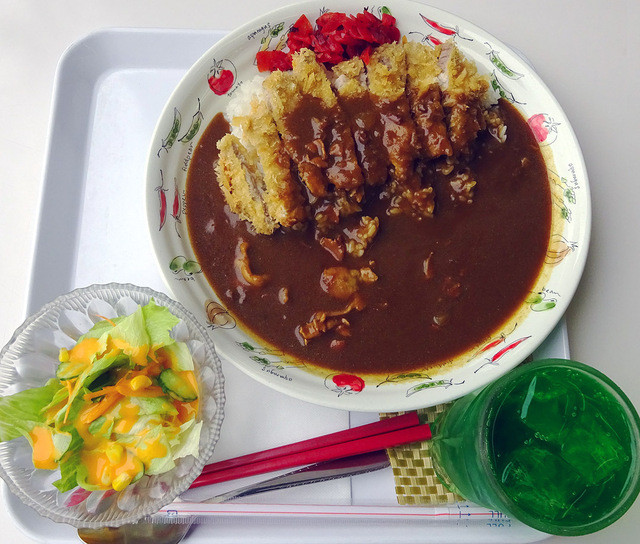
(240, 104)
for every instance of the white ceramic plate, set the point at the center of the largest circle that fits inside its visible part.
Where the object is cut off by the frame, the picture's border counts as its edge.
(193, 104)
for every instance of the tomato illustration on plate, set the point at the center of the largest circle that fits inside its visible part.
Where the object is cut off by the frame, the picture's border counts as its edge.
(544, 128)
(222, 76)
(344, 384)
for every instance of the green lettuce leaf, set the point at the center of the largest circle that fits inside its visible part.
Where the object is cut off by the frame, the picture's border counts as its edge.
(70, 462)
(98, 367)
(149, 325)
(159, 321)
(21, 412)
(188, 440)
(131, 329)
(70, 465)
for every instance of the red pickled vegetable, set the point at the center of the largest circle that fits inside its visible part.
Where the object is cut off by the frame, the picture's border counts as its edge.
(268, 61)
(337, 37)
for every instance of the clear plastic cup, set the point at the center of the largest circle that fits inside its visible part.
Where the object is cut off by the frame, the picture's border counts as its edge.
(553, 443)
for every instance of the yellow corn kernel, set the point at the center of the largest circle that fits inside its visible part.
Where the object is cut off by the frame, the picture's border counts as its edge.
(121, 481)
(140, 382)
(114, 453)
(63, 357)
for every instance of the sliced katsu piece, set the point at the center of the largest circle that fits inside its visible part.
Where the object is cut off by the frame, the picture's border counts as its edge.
(283, 196)
(425, 98)
(349, 79)
(299, 139)
(342, 170)
(242, 184)
(387, 74)
(314, 129)
(464, 97)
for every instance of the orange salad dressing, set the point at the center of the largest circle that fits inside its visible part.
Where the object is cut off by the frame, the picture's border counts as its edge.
(44, 452)
(106, 460)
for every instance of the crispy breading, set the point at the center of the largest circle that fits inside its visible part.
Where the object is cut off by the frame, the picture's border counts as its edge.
(425, 98)
(464, 96)
(242, 184)
(285, 95)
(462, 80)
(283, 196)
(422, 64)
(387, 71)
(350, 78)
(333, 131)
(350, 82)
(343, 170)
(312, 78)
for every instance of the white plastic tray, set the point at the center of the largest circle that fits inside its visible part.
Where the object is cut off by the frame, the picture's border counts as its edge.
(110, 89)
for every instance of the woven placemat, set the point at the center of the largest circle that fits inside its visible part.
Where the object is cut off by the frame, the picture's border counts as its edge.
(415, 478)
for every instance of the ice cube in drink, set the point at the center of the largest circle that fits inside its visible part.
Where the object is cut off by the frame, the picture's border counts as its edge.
(549, 406)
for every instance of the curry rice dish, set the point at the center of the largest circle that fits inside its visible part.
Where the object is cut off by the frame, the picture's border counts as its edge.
(373, 219)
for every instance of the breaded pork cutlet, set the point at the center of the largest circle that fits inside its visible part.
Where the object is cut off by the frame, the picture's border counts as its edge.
(314, 129)
(343, 170)
(283, 197)
(242, 183)
(464, 96)
(284, 95)
(425, 98)
(349, 79)
(387, 74)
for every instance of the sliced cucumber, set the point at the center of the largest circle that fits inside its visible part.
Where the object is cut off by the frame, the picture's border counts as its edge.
(154, 406)
(177, 386)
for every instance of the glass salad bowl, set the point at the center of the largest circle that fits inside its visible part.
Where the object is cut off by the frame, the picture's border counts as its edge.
(31, 358)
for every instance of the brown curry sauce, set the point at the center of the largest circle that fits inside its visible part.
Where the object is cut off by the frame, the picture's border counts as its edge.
(483, 259)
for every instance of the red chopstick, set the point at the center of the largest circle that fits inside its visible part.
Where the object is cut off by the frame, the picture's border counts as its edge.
(403, 421)
(325, 453)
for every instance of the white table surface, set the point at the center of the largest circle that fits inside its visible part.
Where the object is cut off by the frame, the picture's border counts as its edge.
(585, 50)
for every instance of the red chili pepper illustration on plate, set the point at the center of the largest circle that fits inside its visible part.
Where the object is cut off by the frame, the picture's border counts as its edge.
(508, 348)
(493, 342)
(446, 30)
(501, 353)
(440, 28)
(177, 209)
(163, 201)
(428, 39)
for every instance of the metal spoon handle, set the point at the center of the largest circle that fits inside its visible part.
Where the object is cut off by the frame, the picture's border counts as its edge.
(319, 472)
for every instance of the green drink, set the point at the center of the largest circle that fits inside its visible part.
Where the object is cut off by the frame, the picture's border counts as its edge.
(553, 443)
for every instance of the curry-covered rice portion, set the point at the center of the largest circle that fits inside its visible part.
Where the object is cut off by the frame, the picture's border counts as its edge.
(371, 218)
